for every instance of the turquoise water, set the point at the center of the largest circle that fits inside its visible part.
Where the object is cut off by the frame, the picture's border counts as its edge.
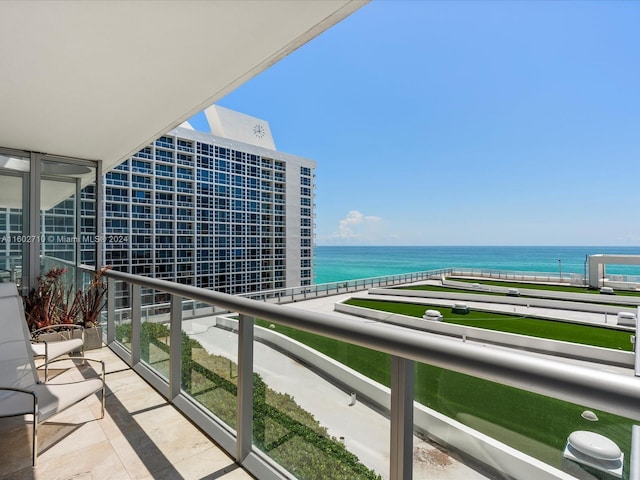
(335, 264)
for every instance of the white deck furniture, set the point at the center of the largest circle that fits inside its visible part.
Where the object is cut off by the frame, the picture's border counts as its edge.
(54, 341)
(21, 392)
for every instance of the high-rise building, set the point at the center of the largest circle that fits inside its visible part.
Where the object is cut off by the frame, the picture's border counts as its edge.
(223, 210)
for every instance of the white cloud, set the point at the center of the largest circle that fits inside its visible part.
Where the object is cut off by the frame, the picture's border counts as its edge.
(358, 227)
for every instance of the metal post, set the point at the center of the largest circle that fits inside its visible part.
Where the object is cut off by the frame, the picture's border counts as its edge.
(245, 388)
(78, 276)
(636, 350)
(634, 462)
(175, 347)
(401, 452)
(98, 210)
(34, 221)
(560, 268)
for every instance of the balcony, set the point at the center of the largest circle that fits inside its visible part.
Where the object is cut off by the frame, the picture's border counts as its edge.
(242, 392)
(100, 131)
(141, 436)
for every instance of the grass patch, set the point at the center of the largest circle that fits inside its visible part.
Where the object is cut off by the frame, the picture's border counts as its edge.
(377, 364)
(543, 286)
(282, 429)
(558, 288)
(550, 329)
(533, 423)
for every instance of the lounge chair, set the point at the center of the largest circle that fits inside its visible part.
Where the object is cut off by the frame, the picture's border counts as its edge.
(58, 342)
(21, 393)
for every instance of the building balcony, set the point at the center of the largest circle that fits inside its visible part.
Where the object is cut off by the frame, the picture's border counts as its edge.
(101, 140)
(266, 406)
(141, 436)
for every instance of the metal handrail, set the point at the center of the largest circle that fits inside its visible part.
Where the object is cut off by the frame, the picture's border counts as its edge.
(607, 391)
(324, 289)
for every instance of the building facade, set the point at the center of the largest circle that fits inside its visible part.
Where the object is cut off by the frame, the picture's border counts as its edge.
(223, 210)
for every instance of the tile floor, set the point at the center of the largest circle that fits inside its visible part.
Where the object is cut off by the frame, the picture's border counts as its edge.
(140, 437)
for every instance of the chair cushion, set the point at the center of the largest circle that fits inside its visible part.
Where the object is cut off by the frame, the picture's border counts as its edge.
(15, 403)
(56, 349)
(53, 398)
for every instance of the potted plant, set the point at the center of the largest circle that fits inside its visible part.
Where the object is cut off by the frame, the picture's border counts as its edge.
(55, 311)
(51, 309)
(91, 301)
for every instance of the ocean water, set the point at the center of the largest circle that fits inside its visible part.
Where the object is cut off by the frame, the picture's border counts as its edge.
(339, 263)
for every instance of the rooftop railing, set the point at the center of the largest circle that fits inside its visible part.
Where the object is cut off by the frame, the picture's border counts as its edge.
(293, 294)
(224, 400)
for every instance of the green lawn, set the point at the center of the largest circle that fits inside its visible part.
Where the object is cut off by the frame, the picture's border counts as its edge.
(543, 286)
(532, 423)
(554, 330)
(559, 288)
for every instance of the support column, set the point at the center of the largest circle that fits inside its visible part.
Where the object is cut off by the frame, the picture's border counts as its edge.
(245, 388)
(100, 245)
(175, 347)
(401, 452)
(636, 347)
(634, 461)
(33, 229)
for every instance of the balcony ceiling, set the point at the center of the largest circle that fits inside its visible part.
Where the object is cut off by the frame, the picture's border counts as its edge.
(99, 79)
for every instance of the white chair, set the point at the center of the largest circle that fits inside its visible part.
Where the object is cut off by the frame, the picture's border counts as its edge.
(54, 341)
(21, 393)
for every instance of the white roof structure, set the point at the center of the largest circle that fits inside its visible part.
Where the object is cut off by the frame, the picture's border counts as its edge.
(239, 126)
(99, 80)
(598, 262)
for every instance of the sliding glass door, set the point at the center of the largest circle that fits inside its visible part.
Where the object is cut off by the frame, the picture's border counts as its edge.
(14, 175)
(49, 216)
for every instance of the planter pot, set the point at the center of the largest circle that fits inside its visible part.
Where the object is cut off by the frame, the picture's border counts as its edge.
(93, 338)
(62, 335)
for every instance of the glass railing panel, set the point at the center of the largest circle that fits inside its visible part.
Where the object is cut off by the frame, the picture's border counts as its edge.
(155, 330)
(195, 309)
(449, 403)
(64, 270)
(210, 363)
(122, 314)
(305, 419)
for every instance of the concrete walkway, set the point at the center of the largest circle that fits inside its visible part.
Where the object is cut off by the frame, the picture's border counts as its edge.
(366, 432)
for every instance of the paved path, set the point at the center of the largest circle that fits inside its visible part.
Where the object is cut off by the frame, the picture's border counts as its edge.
(365, 431)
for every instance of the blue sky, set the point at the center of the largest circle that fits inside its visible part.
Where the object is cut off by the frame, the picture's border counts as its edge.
(465, 123)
